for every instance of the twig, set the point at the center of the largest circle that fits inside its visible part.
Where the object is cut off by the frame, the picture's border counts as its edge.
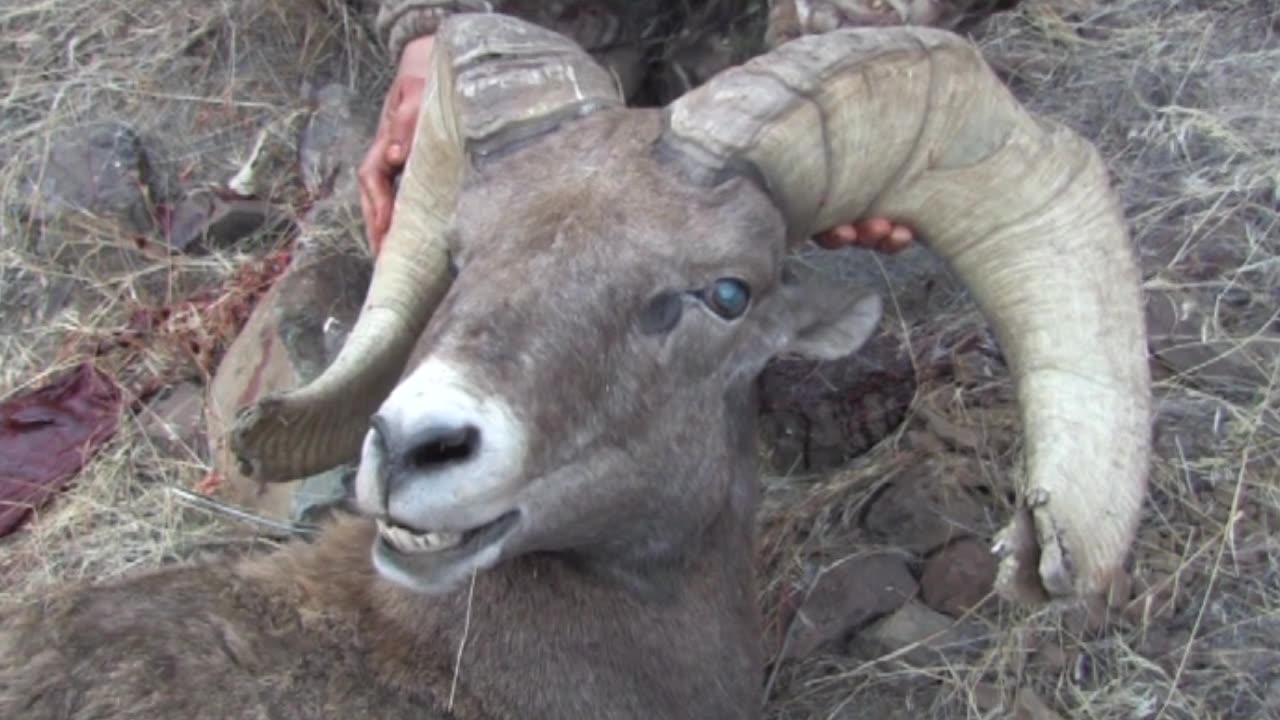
(220, 508)
(466, 630)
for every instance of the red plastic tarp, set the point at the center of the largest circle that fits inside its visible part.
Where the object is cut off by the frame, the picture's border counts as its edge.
(47, 435)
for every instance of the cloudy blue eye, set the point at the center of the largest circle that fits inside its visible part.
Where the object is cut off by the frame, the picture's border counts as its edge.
(728, 297)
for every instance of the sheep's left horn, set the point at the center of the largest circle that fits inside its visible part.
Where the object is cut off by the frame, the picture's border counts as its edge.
(495, 80)
(911, 123)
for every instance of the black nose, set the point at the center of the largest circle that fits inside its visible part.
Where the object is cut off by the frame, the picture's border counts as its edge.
(429, 447)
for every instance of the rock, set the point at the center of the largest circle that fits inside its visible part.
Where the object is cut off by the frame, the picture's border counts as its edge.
(319, 494)
(1186, 337)
(255, 364)
(923, 512)
(30, 299)
(1190, 427)
(931, 632)
(174, 422)
(206, 220)
(333, 141)
(294, 332)
(816, 416)
(784, 435)
(958, 577)
(318, 305)
(100, 168)
(846, 597)
(916, 284)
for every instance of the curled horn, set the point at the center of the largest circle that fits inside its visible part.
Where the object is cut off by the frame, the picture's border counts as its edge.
(494, 81)
(911, 123)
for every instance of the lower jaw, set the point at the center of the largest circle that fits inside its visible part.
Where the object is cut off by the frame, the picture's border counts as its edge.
(436, 573)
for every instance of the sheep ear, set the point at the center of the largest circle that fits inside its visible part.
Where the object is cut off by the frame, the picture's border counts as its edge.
(819, 317)
(837, 329)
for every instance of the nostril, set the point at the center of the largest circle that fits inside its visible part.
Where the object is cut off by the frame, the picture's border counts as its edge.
(444, 445)
(422, 444)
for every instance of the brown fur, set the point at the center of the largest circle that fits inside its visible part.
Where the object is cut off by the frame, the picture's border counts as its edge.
(629, 593)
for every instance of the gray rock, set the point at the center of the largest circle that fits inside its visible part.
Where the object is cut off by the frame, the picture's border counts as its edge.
(930, 635)
(958, 577)
(816, 416)
(915, 284)
(319, 301)
(320, 494)
(291, 337)
(320, 298)
(174, 422)
(1191, 427)
(923, 512)
(848, 596)
(1185, 336)
(102, 169)
(205, 220)
(333, 140)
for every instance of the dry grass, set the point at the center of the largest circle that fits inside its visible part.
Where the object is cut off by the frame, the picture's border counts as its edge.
(203, 85)
(1180, 95)
(1182, 99)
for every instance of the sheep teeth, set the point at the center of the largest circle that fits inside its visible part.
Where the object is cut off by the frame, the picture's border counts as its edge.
(407, 541)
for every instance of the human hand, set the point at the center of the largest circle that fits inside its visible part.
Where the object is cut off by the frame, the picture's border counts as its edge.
(874, 234)
(394, 139)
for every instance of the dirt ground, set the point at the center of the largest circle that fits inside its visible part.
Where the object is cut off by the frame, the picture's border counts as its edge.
(893, 466)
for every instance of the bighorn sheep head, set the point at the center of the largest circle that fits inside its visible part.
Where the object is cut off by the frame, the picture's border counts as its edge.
(619, 262)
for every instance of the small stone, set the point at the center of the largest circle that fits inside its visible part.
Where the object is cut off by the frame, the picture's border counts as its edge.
(846, 597)
(204, 220)
(175, 422)
(921, 513)
(958, 577)
(100, 168)
(930, 632)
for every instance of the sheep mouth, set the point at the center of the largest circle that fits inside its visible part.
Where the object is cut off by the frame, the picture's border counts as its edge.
(403, 542)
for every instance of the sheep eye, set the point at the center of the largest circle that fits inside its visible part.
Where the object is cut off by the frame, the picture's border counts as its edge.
(728, 297)
(662, 313)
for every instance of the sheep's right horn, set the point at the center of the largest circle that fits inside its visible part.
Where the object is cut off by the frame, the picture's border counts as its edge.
(495, 80)
(911, 124)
